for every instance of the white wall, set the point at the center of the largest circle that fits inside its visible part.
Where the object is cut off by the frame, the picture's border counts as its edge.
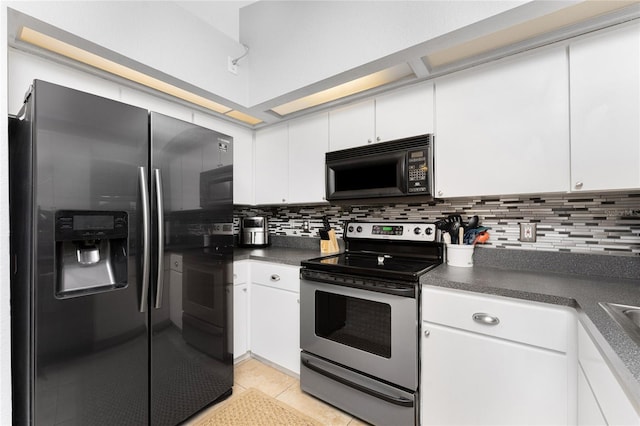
(294, 44)
(5, 315)
(158, 34)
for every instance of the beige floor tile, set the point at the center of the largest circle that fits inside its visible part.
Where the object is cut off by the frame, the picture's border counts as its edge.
(312, 407)
(357, 422)
(254, 374)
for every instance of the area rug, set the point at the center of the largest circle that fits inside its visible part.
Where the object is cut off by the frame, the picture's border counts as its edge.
(255, 408)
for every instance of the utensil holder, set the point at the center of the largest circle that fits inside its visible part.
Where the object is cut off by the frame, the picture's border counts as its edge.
(460, 255)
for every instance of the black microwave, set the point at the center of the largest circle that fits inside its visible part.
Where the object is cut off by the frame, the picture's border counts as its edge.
(398, 168)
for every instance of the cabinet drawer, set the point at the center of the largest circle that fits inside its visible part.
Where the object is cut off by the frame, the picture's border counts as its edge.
(531, 323)
(284, 277)
(240, 272)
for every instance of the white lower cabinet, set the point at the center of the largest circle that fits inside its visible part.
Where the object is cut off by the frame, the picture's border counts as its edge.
(496, 361)
(241, 308)
(275, 326)
(602, 399)
(267, 312)
(589, 413)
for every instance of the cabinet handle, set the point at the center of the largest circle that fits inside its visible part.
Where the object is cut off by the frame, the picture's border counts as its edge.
(485, 319)
(275, 277)
(579, 185)
(368, 140)
(244, 289)
(440, 193)
(378, 139)
(427, 333)
(175, 263)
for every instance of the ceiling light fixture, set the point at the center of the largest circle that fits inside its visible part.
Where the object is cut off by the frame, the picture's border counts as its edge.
(80, 55)
(352, 87)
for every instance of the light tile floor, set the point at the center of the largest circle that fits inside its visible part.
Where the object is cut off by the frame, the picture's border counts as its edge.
(252, 373)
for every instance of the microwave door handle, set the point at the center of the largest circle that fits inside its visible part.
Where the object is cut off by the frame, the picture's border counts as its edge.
(146, 242)
(160, 216)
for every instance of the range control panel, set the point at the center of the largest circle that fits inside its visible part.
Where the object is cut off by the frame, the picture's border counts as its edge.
(404, 231)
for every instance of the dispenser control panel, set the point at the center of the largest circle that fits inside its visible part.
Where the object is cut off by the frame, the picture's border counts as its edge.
(90, 225)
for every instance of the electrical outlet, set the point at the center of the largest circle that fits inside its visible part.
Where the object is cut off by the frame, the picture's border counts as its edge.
(528, 232)
(233, 68)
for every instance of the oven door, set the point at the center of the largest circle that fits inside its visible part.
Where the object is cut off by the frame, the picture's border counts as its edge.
(372, 332)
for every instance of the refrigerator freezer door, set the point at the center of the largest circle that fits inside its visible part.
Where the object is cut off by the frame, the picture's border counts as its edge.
(191, 355)
(90, 353)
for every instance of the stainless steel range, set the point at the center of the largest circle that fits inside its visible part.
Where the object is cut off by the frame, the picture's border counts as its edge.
(359, 320)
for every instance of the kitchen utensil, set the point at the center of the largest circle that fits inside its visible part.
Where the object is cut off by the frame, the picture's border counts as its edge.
(481, 238)
(446, 237)
(454, 231)
(461, 235)
(471, 234)
(473, 223)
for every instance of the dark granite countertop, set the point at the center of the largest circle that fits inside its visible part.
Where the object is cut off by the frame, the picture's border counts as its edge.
(284, 255)
(548, 277)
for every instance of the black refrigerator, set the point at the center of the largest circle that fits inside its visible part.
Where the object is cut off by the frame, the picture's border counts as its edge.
(103, 196)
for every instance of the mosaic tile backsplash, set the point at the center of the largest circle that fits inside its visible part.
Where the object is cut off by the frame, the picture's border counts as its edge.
(607, 223)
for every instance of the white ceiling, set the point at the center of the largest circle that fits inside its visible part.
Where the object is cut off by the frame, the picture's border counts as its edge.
(222, 15)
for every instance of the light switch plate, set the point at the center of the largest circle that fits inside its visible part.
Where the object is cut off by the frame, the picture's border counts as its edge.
(528, 232)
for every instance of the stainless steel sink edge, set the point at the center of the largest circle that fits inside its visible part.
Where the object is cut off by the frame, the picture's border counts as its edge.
(617, 312)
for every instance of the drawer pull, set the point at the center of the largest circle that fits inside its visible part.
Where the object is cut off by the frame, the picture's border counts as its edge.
(275, 277)
(485, 319)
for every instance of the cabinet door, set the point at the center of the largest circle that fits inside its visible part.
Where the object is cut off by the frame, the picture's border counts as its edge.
(469, 378)
(308, 144)
(589, 413)
(352, 125)
(404, 113)
(271, 165)
(275, 326)
(243, 169)
(503, 128)
(605, 110)
(240, 320)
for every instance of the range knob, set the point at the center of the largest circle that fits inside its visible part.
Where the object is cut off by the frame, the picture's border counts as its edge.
(417, 231)
(428, 231)
(350, 228)
(359, 229)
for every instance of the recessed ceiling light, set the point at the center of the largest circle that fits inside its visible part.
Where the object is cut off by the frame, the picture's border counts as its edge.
(525, 30)
(77, 54)
(358, 85)
(243, 117)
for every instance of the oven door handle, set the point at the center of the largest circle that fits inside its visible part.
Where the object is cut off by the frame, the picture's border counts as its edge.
(403, 402)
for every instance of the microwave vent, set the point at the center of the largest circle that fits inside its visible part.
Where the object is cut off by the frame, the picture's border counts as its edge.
(381, 148)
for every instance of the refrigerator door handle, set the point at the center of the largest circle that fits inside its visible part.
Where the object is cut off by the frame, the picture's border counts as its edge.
(146, 261)
(160, 213)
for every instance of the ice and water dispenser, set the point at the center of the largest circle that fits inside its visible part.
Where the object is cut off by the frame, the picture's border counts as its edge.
(91, 251)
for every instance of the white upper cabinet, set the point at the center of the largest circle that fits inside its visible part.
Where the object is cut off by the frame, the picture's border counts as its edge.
(605, 110)
(503, 128)
(402, 113)
(352, 125)
(308, 143)
(406, 112)
(271, 165)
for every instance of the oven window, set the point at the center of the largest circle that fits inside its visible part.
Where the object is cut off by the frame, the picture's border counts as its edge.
(358, 323)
